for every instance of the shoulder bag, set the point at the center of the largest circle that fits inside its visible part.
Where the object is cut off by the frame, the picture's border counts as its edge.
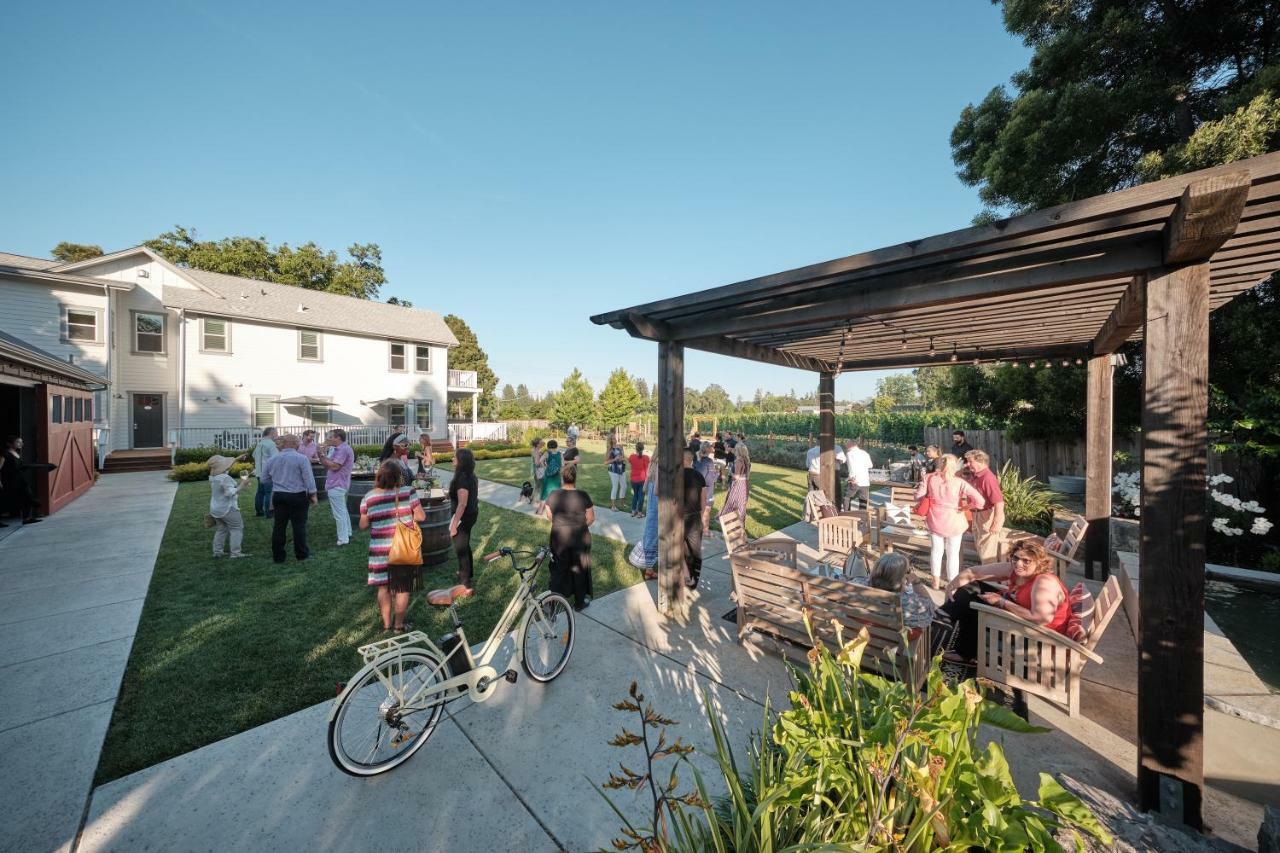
(406, 541)
(925, 504)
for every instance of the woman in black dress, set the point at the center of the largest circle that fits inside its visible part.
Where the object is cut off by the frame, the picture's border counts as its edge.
(571, 513)
(464, 495)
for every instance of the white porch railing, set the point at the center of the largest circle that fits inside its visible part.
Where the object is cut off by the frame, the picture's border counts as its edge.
(244, 437)
(477, 432)
(463, 379)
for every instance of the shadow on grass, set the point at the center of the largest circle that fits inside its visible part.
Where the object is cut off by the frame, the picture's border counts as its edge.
(226, 645)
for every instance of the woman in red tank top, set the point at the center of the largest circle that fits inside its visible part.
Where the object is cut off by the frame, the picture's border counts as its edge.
(1032, 592)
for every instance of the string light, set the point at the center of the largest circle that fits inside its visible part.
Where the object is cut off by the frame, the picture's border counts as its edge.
(1031, 365)
(955, 354)
(932, 351)
(904, 340)
(975, 362)
(1014, 363)
(1079, 361)
(1066, 362)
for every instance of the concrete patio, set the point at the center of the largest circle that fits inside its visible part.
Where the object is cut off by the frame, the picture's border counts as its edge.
(519, 772)
(71, 591)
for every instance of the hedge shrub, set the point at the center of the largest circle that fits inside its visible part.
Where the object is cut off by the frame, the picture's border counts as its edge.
(192, 472)
(901, 427)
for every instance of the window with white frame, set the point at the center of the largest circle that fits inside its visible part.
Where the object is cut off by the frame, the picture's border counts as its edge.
(318, 415)
(309, 346)
(396, 414)
(399, 361)
(83, 325)
(215, 335)
(148, 332)
(422, 414)
(422, 359)
(264, 411)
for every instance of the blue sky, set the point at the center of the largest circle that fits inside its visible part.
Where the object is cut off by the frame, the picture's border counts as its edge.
(523, 165)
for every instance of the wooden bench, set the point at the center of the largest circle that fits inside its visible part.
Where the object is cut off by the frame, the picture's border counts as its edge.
(773, 599)
(1044, 663)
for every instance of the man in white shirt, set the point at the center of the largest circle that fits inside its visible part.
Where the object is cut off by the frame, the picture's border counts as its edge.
(813, 463)
(859, 462)
(262, 453)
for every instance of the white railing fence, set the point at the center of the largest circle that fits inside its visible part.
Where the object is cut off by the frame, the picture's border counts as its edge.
(477, 432)
(244, 437)
(462, 379)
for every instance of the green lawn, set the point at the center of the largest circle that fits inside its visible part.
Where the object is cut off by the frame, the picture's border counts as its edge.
(777, 494)
(226, 645)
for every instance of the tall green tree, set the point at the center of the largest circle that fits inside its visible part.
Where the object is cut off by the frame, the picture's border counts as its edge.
(896, 389)
(619, 400)
(469, 356)
(1119, 92)
(575, 403)
(69, 253)
(1116, 94)
(308, 265)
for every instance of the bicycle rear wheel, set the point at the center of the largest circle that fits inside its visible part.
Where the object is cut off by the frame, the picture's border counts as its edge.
(548, 633)
(375, 728)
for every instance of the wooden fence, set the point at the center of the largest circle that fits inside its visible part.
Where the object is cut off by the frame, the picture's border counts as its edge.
(1043, 459)
(1039, 459)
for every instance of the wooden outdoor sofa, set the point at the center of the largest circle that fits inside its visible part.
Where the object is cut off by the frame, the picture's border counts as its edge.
(1044, 663)
(773, 599)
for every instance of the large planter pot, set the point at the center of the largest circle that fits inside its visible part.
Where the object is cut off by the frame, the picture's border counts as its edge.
(436, 543)
(1065, 485)
(360, 486)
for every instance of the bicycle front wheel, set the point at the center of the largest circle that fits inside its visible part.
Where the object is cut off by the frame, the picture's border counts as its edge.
(548, 634)
(379, 723)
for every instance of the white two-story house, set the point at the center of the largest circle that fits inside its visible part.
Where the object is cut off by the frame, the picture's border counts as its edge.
(195, 358)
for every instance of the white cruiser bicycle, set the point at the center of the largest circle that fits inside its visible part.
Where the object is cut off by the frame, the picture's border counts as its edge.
(388, 709)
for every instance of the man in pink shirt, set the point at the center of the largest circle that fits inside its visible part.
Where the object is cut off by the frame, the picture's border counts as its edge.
(988, 523)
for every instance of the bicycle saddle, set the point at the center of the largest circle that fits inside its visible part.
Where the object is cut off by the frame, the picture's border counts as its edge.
(445, 597)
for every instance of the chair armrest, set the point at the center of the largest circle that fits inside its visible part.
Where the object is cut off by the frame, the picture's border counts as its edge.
(1062, 563)
(1005, 619)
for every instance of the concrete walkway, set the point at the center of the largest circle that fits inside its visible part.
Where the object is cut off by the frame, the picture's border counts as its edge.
(71, 592)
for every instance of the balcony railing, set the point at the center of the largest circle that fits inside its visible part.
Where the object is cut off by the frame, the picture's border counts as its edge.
(477, 432)
(463, 379)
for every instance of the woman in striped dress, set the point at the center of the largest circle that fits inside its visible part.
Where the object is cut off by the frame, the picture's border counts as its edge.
(381, 509)
(740, 489)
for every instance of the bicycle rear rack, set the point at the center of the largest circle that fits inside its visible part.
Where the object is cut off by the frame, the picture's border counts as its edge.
(373, 651)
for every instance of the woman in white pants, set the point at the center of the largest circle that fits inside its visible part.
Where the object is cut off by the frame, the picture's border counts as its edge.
(945, 520)
(616, 461)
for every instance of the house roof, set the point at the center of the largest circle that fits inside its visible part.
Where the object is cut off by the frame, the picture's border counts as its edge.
(25, 262)
(250, 299)
(20, 351)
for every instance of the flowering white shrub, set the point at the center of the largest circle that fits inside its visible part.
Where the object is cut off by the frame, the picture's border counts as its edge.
(1127, 487)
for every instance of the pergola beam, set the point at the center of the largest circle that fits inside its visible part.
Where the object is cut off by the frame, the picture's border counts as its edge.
(908, 290)
(1072, 351)
(1125, 319)
(1206, 215)
(640, 326)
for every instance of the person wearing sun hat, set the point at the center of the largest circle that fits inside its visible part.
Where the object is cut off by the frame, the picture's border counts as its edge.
(224, 506)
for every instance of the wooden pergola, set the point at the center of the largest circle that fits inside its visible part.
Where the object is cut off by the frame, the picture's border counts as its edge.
(1071, 284)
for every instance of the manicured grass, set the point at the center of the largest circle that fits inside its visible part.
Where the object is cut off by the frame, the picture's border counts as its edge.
(226, 645)
(777, 494)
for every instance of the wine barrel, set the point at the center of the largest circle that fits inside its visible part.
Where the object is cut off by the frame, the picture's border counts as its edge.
(360, 486)
(436, 543)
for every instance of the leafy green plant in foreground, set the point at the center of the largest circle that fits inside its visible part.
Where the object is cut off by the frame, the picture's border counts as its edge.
(1028, 503)
(863, 763)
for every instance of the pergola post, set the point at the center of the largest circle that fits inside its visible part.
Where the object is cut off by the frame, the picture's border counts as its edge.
(1172, 551)
(827, 433)
(670, 452)
(1097, 488)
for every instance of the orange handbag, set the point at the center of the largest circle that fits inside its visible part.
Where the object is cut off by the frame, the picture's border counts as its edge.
(406, 541)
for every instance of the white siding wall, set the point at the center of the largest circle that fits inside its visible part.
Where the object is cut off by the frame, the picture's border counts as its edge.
(140, 372)
(264, 361)
(33, 313)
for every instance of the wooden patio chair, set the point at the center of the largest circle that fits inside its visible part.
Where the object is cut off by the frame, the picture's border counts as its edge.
(1044, 663)
(838, 536)
(773, 600)
(736, 541)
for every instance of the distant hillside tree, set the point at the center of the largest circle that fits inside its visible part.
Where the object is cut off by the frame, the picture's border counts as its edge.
(308, 265)
(619, 400)
(69, 253)
(469, 356)
(575, 403)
